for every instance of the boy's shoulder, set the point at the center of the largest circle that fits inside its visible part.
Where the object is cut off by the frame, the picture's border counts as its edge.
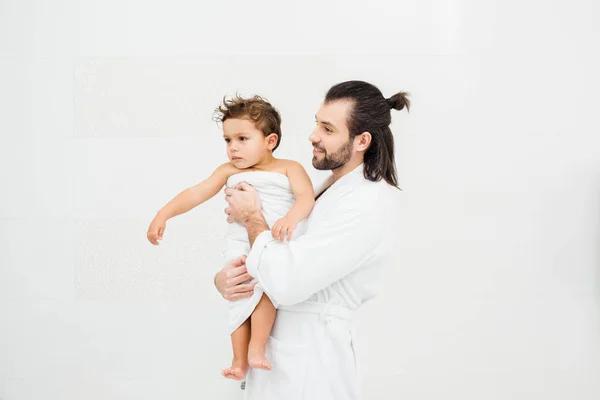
(227, 169)
(290, 164)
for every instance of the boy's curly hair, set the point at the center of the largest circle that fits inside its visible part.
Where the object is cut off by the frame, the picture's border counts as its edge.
(266, 118)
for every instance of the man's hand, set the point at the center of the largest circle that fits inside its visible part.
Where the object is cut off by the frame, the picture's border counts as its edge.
(244, 203)
(232, 280)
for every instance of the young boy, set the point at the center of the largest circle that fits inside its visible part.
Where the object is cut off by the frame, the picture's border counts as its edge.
(252, 131)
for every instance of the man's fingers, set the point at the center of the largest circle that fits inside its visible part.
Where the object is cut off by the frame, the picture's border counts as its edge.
(247, 287)
(243, 186)
(240, 279)
(239, 261)
(240, 269)
(239, 296)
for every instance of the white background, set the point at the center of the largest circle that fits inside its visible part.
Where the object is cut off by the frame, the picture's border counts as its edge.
(105, 115)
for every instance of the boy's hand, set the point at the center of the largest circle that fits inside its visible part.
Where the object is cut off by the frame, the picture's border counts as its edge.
(156, 230)
(282, 228)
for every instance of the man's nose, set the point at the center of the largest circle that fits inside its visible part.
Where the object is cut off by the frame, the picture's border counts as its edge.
(314, 138)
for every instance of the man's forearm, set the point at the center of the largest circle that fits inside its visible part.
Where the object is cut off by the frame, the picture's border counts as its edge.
(256, 225)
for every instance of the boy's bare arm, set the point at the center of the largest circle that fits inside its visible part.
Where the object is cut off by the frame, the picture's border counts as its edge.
(303, 192)
(198, 194)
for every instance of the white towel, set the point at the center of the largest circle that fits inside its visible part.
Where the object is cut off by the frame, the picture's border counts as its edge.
(277, 198)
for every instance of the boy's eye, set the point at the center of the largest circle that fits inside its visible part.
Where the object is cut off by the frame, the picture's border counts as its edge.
(226, 140)
(242, 138)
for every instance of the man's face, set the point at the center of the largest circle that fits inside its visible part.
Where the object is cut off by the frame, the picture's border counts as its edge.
(332, 146)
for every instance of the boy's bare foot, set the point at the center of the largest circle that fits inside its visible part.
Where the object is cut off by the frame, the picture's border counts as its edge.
(237, 371)
(257, 359)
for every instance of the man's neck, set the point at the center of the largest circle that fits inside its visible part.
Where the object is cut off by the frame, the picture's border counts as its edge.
(346, 168)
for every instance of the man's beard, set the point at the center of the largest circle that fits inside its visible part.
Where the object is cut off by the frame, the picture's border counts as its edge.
(334, 160)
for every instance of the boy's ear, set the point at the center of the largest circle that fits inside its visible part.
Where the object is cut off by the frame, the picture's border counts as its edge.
(272, 140)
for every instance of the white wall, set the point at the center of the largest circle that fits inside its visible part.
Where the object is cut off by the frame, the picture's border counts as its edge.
(105, 114)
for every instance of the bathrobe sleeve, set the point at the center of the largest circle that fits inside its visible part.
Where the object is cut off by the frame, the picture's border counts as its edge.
(330, 249)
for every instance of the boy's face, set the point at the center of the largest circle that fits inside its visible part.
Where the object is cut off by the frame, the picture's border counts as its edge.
(246, 145)
(332, 146)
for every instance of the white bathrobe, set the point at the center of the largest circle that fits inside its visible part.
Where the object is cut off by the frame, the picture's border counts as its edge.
(277, 198)
(318, 281)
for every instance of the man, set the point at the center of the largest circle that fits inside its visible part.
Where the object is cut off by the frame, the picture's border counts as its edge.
(318, 280)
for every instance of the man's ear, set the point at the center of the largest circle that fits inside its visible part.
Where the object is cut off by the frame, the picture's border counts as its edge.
(272, 140)
(362, 141)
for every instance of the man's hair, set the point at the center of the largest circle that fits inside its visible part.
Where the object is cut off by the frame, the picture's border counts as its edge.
(371, 112)
(266, 118)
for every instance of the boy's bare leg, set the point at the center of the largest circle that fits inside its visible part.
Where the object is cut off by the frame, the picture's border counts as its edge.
(262, 319)
(239, 340)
